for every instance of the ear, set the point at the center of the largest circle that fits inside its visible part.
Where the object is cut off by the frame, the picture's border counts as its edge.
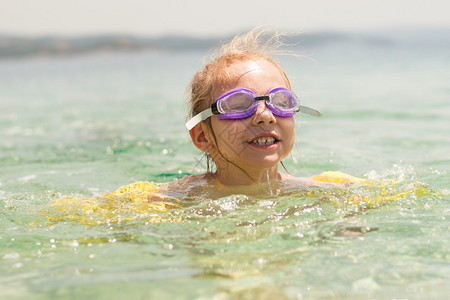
(199, 136)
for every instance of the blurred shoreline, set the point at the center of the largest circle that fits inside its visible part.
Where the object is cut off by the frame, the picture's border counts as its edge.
(15, 47)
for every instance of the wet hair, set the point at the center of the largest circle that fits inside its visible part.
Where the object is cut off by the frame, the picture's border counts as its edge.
(255, 45)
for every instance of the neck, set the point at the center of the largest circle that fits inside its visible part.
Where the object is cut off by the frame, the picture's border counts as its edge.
(233, 176)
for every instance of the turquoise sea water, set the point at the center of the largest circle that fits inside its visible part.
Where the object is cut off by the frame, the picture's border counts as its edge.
(83, 126)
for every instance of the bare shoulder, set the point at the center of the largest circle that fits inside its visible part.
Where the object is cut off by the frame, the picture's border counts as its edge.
(187, 181)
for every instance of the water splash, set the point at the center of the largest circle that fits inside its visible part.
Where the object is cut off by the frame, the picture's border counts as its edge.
(141, 202)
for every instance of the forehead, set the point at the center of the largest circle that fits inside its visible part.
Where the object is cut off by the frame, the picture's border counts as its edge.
(257, 75)
(241, 69)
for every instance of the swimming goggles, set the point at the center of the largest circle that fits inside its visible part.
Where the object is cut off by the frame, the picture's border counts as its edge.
(241, 103)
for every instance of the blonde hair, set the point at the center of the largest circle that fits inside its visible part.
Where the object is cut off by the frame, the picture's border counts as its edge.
(256, 45)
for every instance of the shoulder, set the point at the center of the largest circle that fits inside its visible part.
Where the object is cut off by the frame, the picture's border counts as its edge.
(187, 182)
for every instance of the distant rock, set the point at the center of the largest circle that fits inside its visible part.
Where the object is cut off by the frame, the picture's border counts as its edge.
(16, 47)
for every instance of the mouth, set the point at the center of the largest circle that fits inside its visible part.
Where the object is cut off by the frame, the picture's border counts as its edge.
(264, 141)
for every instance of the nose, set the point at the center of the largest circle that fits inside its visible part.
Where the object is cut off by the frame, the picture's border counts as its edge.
(263, 115)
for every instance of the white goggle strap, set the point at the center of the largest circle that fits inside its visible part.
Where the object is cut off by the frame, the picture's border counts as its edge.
(198, 118)
(310, 111)
(208, 113)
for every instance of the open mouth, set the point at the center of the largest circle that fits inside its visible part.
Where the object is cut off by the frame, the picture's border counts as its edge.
(264, 141)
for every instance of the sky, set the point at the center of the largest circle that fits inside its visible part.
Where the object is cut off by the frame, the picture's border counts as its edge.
(203, 18)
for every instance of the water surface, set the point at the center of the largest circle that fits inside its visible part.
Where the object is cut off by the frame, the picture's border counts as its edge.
(83, 126)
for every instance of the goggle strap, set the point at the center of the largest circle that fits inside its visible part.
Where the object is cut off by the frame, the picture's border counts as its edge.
(198, 118)
(310, 111)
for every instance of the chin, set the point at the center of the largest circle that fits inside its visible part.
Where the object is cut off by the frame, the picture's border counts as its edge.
(266, 163)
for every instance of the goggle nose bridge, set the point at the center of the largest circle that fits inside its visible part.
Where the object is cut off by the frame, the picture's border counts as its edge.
(261, 98)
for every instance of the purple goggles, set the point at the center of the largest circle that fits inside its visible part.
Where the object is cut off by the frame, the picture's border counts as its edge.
(241, 103)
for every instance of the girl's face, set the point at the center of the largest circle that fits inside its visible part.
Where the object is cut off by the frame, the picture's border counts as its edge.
(262, 140)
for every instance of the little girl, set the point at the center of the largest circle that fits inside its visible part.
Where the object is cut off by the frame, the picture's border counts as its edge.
(241, 116)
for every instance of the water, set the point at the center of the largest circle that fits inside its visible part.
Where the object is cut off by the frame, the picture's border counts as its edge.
(83, 126)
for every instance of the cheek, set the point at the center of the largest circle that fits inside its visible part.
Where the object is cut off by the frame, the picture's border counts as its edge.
(289, 136)
(230, 133)
(221, 132)
(287, 125)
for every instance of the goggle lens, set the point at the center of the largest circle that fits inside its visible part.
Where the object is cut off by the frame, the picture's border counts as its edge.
(236, 102)
(284, 100)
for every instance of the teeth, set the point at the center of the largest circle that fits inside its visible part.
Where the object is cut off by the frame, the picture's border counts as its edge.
(263, 141)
